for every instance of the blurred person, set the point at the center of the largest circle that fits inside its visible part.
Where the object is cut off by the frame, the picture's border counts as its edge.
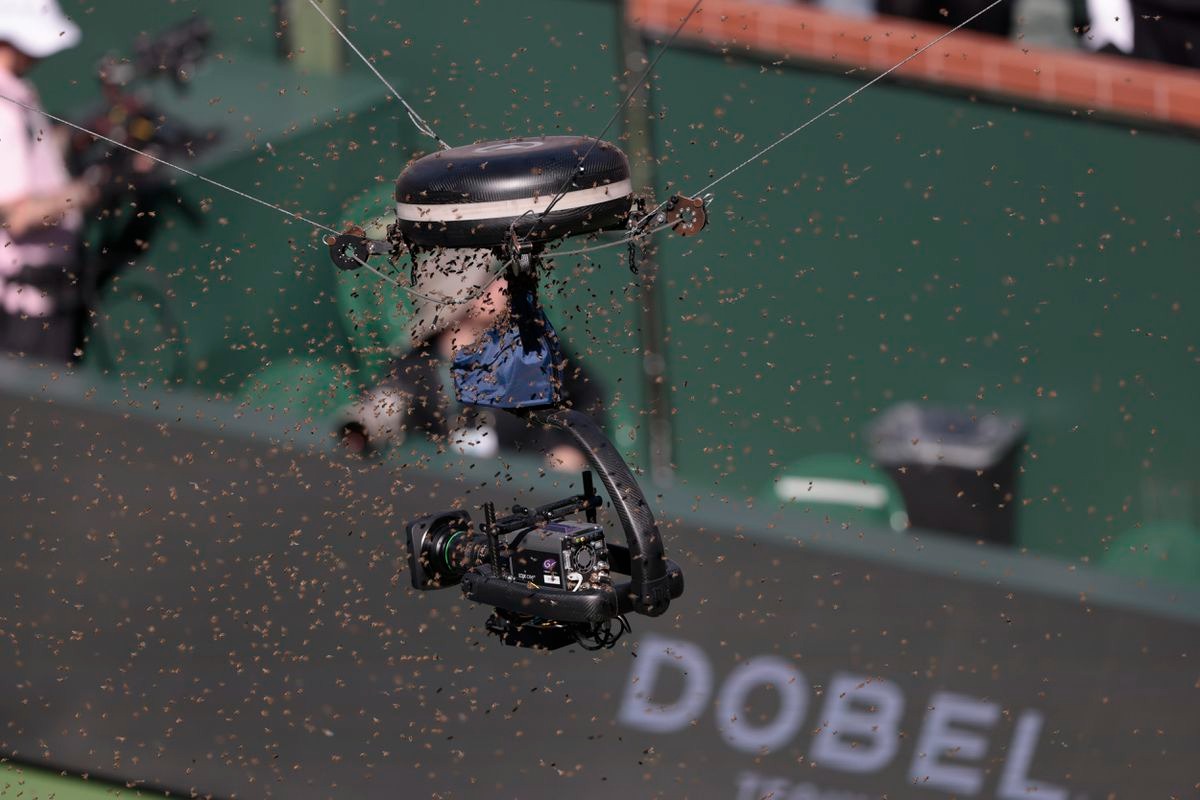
(41, 311)
(420, 394)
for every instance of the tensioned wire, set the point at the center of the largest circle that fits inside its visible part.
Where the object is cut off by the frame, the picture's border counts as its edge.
(636, 231)
(413, 117)
(211, 182)
(854, 94)
(833, 107)
(633, 90)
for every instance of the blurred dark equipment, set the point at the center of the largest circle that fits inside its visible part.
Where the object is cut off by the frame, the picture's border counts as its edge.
(1167, 31)
(950, 12)
(175, 53)
(957, 472)
(137, 193)
(134, 188)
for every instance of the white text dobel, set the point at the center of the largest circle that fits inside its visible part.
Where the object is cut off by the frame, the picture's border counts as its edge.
(857, 726)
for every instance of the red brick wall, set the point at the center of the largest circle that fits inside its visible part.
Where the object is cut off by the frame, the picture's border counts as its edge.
(1084, 82)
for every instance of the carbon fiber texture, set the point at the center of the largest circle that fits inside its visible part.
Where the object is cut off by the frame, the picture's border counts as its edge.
(650, 584)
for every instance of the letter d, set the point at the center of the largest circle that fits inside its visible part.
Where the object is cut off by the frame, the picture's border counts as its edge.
(640, 709)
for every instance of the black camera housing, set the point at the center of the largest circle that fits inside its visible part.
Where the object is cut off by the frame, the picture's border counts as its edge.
(560, 555)
(495, 563)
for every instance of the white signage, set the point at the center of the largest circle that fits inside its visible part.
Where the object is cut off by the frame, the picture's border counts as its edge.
(856, 728)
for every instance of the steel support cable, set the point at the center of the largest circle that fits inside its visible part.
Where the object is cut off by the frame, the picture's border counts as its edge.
(418, 122)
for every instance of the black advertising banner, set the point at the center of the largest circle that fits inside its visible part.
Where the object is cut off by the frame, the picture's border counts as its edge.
(186, 604)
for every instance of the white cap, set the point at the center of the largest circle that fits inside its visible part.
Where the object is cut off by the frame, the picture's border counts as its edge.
(37, 28)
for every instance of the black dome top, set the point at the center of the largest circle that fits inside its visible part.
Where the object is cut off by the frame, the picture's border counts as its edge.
(469, 196)
(510, 169)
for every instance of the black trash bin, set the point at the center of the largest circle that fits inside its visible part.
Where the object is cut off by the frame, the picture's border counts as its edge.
(957, 471)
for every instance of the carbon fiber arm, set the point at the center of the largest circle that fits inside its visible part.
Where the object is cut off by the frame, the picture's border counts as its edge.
(650, 584)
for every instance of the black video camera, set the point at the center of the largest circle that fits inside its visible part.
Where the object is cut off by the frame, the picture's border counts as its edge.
(137, 191)
(550, 577)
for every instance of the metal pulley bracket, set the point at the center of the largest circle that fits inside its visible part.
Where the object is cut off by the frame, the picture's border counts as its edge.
(516, 251)
(350, 249)
(637, 217)
(687, 216)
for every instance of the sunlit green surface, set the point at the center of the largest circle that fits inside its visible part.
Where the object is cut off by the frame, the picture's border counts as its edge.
(25, 783)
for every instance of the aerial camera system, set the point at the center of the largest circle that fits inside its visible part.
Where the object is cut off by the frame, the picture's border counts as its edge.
(548, 572)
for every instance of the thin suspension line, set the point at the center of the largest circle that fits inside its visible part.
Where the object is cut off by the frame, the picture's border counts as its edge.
(626, 239)
(848, 97)
(392, 280)
(276, 208)
(562, 190)
(219, 185)
(165, 163)
(415, 118)
(501, 265)
(419, 295)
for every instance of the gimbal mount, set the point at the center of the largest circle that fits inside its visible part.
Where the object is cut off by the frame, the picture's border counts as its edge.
(524, 564)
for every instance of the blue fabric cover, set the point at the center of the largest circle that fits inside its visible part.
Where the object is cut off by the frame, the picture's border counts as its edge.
(512, 366)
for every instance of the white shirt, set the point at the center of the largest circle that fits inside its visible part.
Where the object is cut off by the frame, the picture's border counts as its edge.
(31, 164)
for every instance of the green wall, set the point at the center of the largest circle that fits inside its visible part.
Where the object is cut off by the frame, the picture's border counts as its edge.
(919, 246)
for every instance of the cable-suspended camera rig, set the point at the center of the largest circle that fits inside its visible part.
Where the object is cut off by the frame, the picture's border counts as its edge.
(547, 572)
(451, 199)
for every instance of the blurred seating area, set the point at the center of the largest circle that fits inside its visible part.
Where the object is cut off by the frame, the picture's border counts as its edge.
(1167, 31)
(1058, 54)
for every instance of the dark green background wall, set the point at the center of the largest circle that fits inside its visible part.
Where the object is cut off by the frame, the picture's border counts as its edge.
(925, 247)
(916, 246)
